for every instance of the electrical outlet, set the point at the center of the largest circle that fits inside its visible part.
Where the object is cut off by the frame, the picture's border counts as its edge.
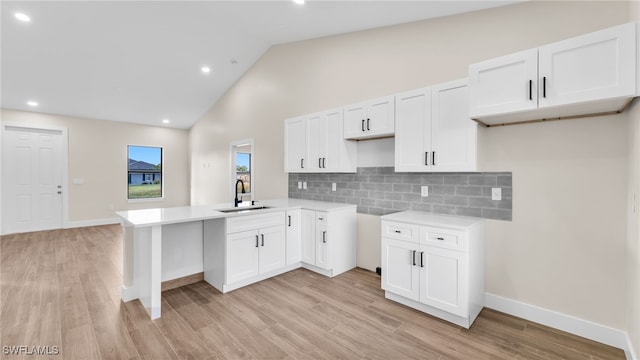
(299, 184)
(304, 185)
(496, 193)
(333, 187)
(424, 191)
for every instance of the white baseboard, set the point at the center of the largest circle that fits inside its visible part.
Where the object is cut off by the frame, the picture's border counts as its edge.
(573, 325)
(94, 222)
(629, 351)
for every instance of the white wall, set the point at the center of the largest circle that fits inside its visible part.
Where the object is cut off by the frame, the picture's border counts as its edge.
(633, 213)
(565, 249)
(98, 154)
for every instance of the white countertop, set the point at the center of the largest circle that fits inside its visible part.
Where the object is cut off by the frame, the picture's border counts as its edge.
(429, 219)
(173, 215)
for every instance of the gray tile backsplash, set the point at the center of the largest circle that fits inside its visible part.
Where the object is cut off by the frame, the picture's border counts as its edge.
(380, 191)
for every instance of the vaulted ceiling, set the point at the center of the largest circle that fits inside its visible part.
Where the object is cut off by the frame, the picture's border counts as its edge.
(141, 61)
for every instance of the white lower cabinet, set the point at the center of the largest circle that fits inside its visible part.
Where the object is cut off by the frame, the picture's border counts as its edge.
(245, 249)
(294, 236)
(329, 241)
(255, 252)
(435, 264)
(242, 250)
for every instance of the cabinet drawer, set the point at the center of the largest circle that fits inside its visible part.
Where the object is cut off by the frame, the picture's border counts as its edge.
(444, 239)
(254, 222)
(321, 219)
(400, 231)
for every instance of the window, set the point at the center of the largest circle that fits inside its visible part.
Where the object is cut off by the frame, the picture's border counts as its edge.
(144, 172)
(243, 171)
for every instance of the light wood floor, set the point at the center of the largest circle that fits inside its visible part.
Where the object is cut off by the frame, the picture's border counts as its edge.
(62, 288)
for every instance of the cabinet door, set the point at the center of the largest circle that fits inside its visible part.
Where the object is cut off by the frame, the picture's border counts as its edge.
(308, 237)
(595, 66)
(444, 279)
(413, 131)
(242, 256)
(380, 117)
(334, 141)
(272, 249)
(453, 133)
(294, 236)
(400, 269)
(322, 245)
(316, 141)
(354, 121)
(295, 145)
(504, 85)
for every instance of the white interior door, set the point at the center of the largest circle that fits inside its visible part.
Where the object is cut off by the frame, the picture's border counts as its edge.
(32, 174)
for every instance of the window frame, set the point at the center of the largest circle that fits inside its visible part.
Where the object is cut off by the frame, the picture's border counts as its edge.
(144, 176)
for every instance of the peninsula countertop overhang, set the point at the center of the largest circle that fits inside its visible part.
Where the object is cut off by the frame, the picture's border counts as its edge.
(180, 214)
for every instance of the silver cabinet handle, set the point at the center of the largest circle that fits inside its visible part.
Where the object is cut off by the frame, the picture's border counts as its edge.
(256, 240)
(262, 239)
(324, 236)
(421, 258)
(414, 257)
(426, 158)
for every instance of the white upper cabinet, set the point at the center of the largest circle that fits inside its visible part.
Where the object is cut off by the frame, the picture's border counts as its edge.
(588, 74)
(454, 135)
(315, 143)
(370, 119)
(295, 144)
(590, 67)
(413, 130)
(504, 85)
(433, 130)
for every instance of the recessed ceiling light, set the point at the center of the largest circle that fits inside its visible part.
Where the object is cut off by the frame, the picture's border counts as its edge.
(299, 2)
(22, 17)
(165, 121)
(206, 69)
(32, 103)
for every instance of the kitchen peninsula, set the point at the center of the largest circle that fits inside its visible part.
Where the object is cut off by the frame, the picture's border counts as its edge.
(233, 247)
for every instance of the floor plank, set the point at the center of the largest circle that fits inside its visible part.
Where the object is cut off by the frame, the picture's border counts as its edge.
(62, 288)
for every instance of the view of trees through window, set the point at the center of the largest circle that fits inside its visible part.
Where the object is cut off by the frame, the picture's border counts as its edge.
(243, 171)
(144, 172)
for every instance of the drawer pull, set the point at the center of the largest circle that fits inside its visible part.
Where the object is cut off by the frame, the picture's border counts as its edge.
(440, 238)
(398, 232)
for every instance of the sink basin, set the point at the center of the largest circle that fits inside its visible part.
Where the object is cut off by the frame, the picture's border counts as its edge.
(244, 209)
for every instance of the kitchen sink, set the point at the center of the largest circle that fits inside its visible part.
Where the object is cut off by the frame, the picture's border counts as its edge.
(244, 209)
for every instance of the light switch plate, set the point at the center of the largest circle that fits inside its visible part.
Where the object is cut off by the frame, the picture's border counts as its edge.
(333, 186)
(304, 185)
(299, 184)
(496, 193)
(424, 191)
